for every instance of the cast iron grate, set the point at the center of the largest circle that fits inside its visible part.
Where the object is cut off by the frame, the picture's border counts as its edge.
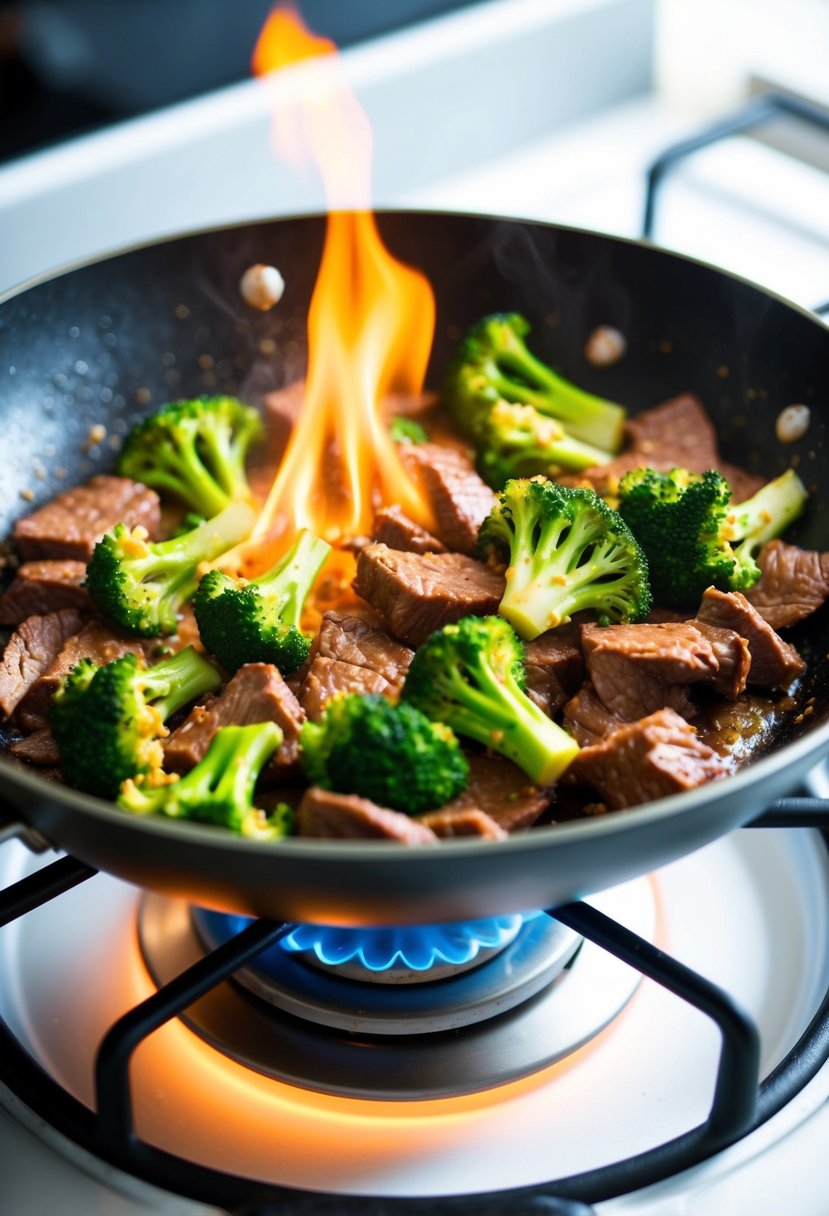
(739, 1103)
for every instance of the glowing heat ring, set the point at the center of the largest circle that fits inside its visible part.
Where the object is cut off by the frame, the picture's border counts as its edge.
(415, 948)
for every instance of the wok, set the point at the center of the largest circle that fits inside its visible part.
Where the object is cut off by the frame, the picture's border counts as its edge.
(108, 342)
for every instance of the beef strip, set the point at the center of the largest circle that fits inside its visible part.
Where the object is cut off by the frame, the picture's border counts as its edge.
(676, 434)
(794, 583)
(256, 693)
(554, 667)
(502, 791)
(345, 816)
(733, 658)
(31, 651)
(351, 640)
(636, 669)
(327, 678)
(587, 719)
(774, 663)
(39, 748)
(460, 499)
(94, 641)
(418, 593)
(70, 525)
(391, 527)
(651, 758)
(41, 587)
(281, 409)
(452, 821)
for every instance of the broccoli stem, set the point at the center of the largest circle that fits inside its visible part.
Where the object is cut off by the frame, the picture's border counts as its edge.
(500, 715)
(291, 579)
(586, 416)
(750, 524)
(220, 788)
(175, 681)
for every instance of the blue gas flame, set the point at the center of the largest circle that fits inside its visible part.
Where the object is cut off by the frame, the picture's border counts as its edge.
(411, 947)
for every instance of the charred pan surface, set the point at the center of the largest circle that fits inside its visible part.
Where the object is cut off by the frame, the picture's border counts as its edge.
(419, 593)
(72, 523)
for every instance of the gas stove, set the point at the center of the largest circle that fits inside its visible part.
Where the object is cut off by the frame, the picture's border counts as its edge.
(603, 1057)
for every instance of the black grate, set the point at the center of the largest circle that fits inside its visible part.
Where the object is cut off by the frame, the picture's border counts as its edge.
(739, 1103)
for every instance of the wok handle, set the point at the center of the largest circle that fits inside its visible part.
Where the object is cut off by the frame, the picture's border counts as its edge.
(799, 812)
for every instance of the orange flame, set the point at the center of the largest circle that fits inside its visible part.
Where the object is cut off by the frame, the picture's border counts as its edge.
(370, 323)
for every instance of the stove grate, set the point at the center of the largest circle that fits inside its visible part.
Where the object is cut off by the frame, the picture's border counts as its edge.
(739, 1104)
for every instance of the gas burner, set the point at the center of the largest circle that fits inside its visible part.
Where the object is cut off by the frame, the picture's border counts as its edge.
(532, 1002)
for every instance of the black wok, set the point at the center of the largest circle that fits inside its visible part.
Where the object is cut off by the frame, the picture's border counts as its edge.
(110, 341)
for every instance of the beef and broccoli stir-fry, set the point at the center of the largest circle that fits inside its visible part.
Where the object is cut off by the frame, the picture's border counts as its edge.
(591, 624)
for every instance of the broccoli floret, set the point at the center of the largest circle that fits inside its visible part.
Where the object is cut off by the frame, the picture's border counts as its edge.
(220, 788)
(470, 675)
(195, 450)
(493, 363)
(107, 721)
(259, 621)
(568, 551)
(142, 584)
(694, 538)
(520, 441)
(392, 754)
(407, 430)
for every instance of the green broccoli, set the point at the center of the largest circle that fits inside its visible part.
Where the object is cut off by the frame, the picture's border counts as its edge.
(694, 537)
(407, 430)
(392, 754)
(142, 584)
(470, 675)
(259, 621)
(195, 450)
(568, 551)
(220, 788)
(520, 441)
(493, 363)
(107, 721)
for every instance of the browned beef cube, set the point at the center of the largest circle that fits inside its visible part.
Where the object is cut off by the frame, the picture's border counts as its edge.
(460, 499)
(345, 816)
(256, 693)
(417, 593)
(94, 641)
(70, 525)
(774, 663)
(391, 527)
(39, 748)
(31, 650)
(327, 678)
(281, 409)
(636, 669)
(502, 791)
(657, 756)
(733, 659)
(676, 434)
(794, 583)
(352, 640)
(587, 718)
(41, 587)
(554, 667)
(452, 821)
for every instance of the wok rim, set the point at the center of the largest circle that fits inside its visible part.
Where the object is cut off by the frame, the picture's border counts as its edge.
(208, 837)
